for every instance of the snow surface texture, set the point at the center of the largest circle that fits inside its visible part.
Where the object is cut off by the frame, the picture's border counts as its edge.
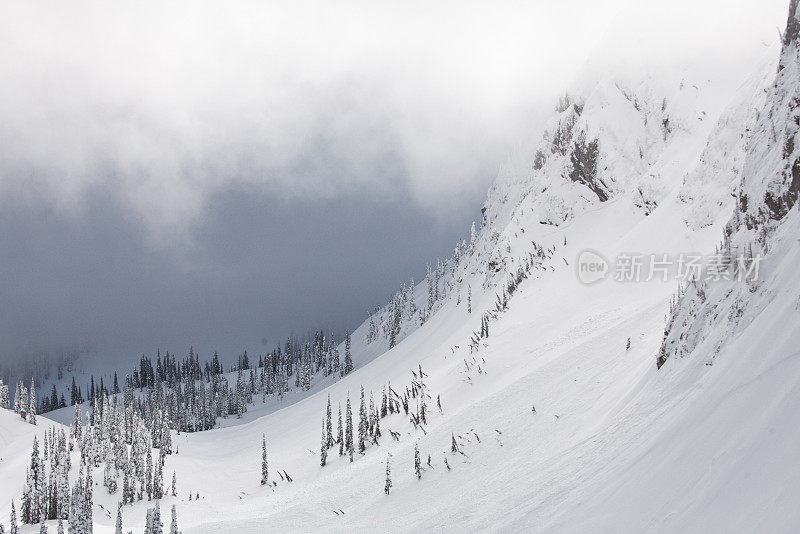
(706, 443)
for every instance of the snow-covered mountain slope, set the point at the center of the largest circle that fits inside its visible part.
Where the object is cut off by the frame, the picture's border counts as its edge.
(561, 419)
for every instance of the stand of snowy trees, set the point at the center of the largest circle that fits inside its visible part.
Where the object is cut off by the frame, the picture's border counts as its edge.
(192, 396)
(131, 449)
(350, 438)
(24, 400)
(189, 398)
(404, 312)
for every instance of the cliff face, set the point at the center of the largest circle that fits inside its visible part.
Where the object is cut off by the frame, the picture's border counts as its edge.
(762, 231)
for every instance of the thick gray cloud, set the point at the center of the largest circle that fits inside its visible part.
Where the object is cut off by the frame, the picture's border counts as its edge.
(182, 99)
(260, 267)
(213, 173)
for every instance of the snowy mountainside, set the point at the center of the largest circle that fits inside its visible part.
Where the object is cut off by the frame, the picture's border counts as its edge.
(763, 223)
(545, 410)
(602, 142)
(557, 426)
(645, 135)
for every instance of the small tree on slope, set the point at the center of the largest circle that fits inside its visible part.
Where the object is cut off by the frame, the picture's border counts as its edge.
(173, 527)
(388, 485)
(348, 430)
(323, 449)
(417, 463)
(264, 464)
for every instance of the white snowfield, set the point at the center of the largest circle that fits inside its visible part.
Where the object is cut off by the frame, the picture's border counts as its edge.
(707, 443)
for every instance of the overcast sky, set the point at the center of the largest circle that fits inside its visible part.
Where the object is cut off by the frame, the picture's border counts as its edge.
(218, 173)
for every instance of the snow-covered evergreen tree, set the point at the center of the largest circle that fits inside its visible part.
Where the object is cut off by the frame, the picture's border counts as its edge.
(348, 357)
(158, 480)
(17, 398)
(148, 474)
(323, 449)
(88, 503)
(472, 236)
(148, 522)
(429, 279)
(156, 526)
(264, 464)
(13, 528)
(32, 404)
(173, 526)
(3, 395)
(109, 481)
(77, 521)
(348, 431)
(329, 424)
(417, 463)
(362, 423)
(340, 432)
(119, 519)
(126, 486)
(388, 484)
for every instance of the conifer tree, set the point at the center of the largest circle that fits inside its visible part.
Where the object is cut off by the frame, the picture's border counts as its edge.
(472, 235)
(88, 502)
(17, 398)
(323, 450)
(60, 528)
(429, 279)
(126, 486)
(388, 485)
(340, 432)
(348, 358)
(157, 525)
(453, 444)
(469, 299)
(148, 522)
(77, 524)
(108, 479)
(377, 420)
(362, 423)
(158, 481)
(264, 464)
(417, 463)
(371, 414)
(329, 424)
(32, 404)
(119, 519)
(348, 432)
(148, 475)
(3, 395)
(174, 488)
(13, 529)
(173, 526)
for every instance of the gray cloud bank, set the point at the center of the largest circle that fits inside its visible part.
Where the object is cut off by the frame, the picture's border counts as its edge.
(214, 173)
(260, 267)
